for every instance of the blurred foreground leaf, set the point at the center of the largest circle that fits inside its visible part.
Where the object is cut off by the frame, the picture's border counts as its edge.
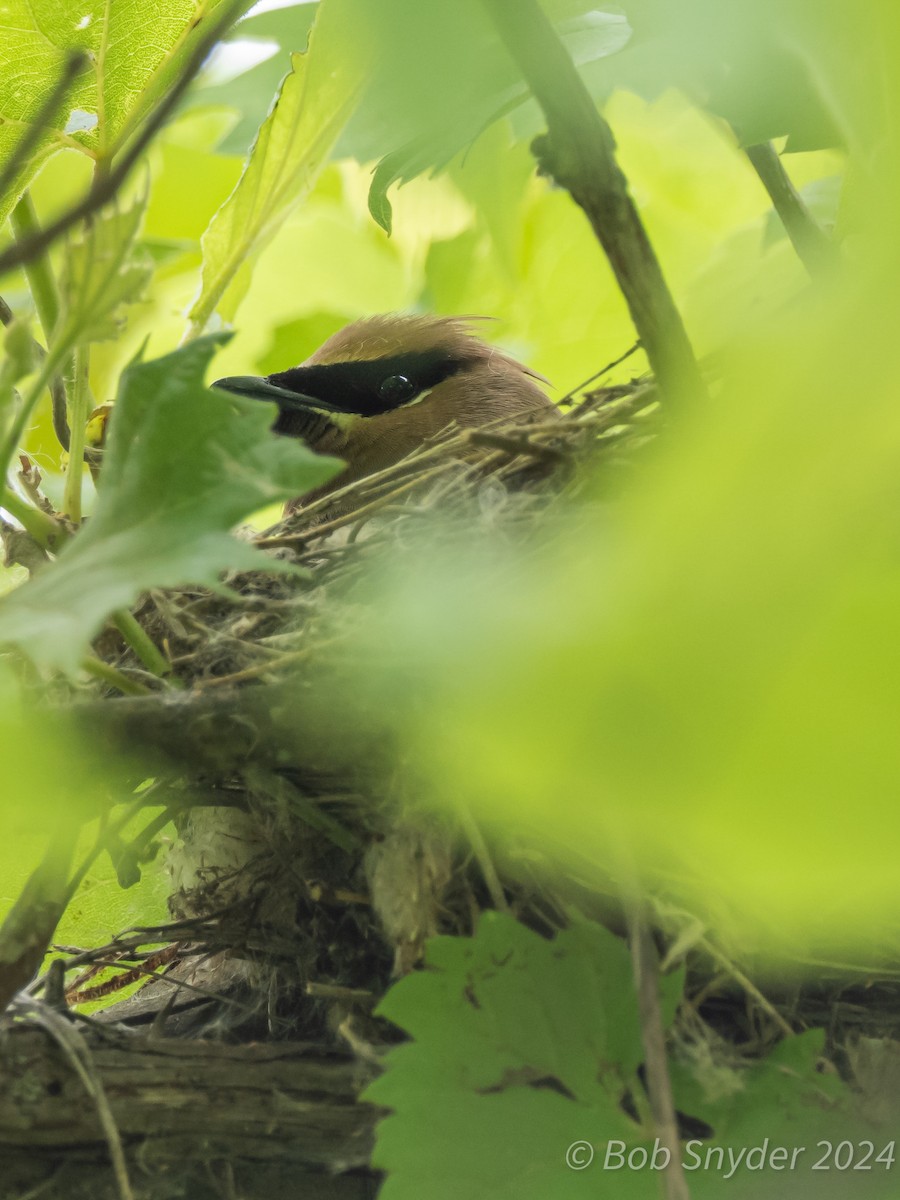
(183, 465)
(705, 673)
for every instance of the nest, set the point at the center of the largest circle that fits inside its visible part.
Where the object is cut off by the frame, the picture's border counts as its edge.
(303, 878)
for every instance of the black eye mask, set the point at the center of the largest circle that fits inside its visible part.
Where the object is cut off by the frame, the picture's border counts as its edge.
(366, 388)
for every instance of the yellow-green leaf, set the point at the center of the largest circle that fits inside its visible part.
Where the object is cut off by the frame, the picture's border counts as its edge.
(294, 142)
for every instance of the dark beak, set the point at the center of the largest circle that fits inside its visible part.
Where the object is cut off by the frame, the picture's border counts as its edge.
(257, 388)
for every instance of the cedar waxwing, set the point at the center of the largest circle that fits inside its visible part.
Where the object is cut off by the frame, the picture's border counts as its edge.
(377, 389)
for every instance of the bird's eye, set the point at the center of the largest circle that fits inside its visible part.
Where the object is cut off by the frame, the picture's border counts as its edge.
(395, 389)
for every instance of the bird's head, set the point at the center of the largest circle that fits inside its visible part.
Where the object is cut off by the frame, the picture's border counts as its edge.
(377, 389)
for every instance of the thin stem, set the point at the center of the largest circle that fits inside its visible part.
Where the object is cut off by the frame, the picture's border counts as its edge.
(814, 248)
(579, 153)
(45, 531)
(38, 271)
(141, 643)
(103, 670)
(57, 386)
(645, 962)
(19, 424)
(79, 408)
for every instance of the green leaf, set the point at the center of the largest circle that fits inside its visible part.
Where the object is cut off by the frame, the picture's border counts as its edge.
(134, 49)
(101, 275)
(250, 93)
(315, 101)
(183, 465)
(521, 1046)
(445, 77)
(718, 54)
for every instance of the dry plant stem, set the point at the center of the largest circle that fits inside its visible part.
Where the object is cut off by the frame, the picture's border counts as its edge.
(749, 987)
(106, 183)
(79, 408)
(814, 248)
(482, 854)
(579, 153)
(659, 1087)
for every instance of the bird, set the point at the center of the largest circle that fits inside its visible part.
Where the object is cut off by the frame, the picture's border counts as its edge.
(379, 388)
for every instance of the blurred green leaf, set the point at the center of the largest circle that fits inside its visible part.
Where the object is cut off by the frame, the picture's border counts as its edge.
(183, 464)
(446, 77)
(129, 70)
(718, 55)
(293, 144)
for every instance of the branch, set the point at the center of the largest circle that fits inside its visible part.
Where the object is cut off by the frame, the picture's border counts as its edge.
(579, 153)
(284, 1117)
(106, 184)
(814, 248)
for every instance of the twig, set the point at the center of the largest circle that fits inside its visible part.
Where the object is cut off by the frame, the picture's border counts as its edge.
(748, 985)
(659, 1087)
(80, 406)
(579, 153)
(105, 184)
(814, 248)
(516, 445)
(307, 535)
(616, 362)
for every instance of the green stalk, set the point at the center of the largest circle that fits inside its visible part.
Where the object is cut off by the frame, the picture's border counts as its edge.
(143, 645)
(16, 431)
(38, 271)
(45, 531)
(79, 408)
(102, 670)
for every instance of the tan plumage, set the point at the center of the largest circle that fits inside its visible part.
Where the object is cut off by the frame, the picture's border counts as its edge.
(380, 387)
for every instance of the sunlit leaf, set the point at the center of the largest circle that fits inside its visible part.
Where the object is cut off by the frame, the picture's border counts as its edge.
(128, 70)
(251, 92)
(315, 101)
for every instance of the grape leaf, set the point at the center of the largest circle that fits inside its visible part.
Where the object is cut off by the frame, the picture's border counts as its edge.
(183, 465)
(522, 1046)
(134, 49)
